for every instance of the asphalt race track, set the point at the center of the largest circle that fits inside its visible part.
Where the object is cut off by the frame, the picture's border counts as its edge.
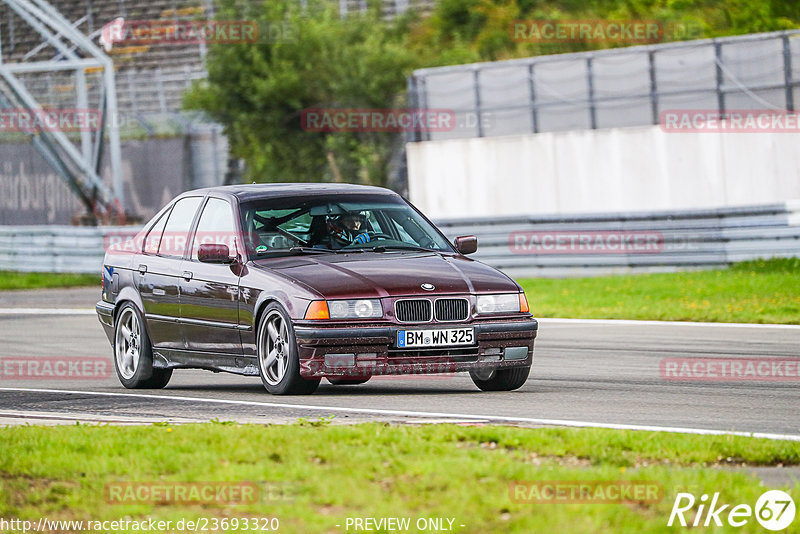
(585, 373)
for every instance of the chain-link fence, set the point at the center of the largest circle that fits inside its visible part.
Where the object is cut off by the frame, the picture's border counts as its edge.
(612, 88)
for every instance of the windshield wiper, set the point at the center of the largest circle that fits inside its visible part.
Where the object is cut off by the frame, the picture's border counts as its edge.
(384, 248)
(310, 250)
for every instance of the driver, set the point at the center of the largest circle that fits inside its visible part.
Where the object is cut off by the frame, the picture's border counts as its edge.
(347, 229)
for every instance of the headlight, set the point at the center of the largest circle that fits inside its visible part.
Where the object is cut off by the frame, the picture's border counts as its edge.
(355, 309)
(508, 303)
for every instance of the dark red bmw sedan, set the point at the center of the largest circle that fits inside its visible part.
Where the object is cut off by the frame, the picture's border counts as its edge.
(299, 282)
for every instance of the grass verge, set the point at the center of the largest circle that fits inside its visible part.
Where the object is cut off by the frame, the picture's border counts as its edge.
(327, 473)
(763, 291)
(18, 280)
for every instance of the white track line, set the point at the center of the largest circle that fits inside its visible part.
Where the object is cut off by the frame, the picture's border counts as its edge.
(47, 311)
(632, 322)
(543, 320)
(440, 415)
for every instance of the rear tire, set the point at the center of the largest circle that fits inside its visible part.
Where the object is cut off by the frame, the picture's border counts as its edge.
(133, 353)
(501, 379)
(159, 380)
(336, 381)
(278, 360)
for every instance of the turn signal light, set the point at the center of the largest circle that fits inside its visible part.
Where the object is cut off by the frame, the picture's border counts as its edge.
(523, 303)
(318, 309)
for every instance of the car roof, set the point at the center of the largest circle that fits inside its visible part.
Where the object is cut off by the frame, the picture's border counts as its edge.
(246, 192)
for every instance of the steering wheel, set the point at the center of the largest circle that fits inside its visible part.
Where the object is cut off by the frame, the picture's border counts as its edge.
(379, 234)
(366, 239)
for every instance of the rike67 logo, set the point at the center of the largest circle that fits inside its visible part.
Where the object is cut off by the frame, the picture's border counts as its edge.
(774, 510)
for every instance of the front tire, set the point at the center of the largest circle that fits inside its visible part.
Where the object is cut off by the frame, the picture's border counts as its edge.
(133, 353)
(501, 379)
(278, 360)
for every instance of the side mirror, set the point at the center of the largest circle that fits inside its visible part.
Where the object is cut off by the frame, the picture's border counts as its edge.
(214, 253)
(466, 244)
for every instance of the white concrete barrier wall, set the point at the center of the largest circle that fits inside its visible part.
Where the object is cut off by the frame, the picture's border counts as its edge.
(595, 171)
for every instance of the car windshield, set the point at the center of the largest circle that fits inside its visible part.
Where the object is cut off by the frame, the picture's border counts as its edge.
(351, 223)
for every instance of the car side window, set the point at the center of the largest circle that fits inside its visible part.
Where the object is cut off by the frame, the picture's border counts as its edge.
(215, 227)
(176, 231)
(372, 223)
(153, 238)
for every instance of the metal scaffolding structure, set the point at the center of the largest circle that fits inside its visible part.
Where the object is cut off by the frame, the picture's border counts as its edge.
(77, 161)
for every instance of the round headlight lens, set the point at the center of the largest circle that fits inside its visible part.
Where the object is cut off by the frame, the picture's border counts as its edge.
(363, 308)
(338, 308)
(486, 304)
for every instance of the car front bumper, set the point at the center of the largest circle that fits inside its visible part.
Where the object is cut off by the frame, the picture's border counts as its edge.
(336, 351)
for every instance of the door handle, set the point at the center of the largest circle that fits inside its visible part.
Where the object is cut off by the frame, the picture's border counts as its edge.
(187, 275)
(142, 268)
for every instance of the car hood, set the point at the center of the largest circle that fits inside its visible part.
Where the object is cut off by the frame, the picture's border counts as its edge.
(389, 274)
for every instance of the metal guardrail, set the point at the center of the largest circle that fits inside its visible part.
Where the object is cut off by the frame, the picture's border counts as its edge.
(594, 244)
(54, 248)
(575, 245)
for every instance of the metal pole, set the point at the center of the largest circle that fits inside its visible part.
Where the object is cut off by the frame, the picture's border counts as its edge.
(113, 132)
(653, 86)
(424, 102)
(787, 73)
(83, 104)
(162, 100)
(57, 20)
(412, 135)
(720, 94)
(534, 105)
(590, 82)
(25, 97)
(477, 84)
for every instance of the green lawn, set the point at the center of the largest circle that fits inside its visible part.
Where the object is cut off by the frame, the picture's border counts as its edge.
(749, 292)
(313, 476)
(763, 291)
(17, 280)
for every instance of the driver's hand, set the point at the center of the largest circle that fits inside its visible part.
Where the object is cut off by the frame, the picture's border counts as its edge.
(363, 238)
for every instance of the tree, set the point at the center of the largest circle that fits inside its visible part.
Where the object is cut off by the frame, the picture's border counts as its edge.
(306, 58)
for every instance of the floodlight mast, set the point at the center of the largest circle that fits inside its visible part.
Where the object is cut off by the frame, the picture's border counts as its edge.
(76, 52)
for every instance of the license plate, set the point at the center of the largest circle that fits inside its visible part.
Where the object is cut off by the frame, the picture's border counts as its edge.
(435, 338)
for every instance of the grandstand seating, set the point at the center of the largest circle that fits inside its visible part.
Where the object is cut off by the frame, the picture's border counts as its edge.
(151, 78)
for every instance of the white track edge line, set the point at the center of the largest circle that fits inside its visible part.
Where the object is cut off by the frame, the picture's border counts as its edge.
(405, 413)
(47, 311)
(635, 322)
(544, 320)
